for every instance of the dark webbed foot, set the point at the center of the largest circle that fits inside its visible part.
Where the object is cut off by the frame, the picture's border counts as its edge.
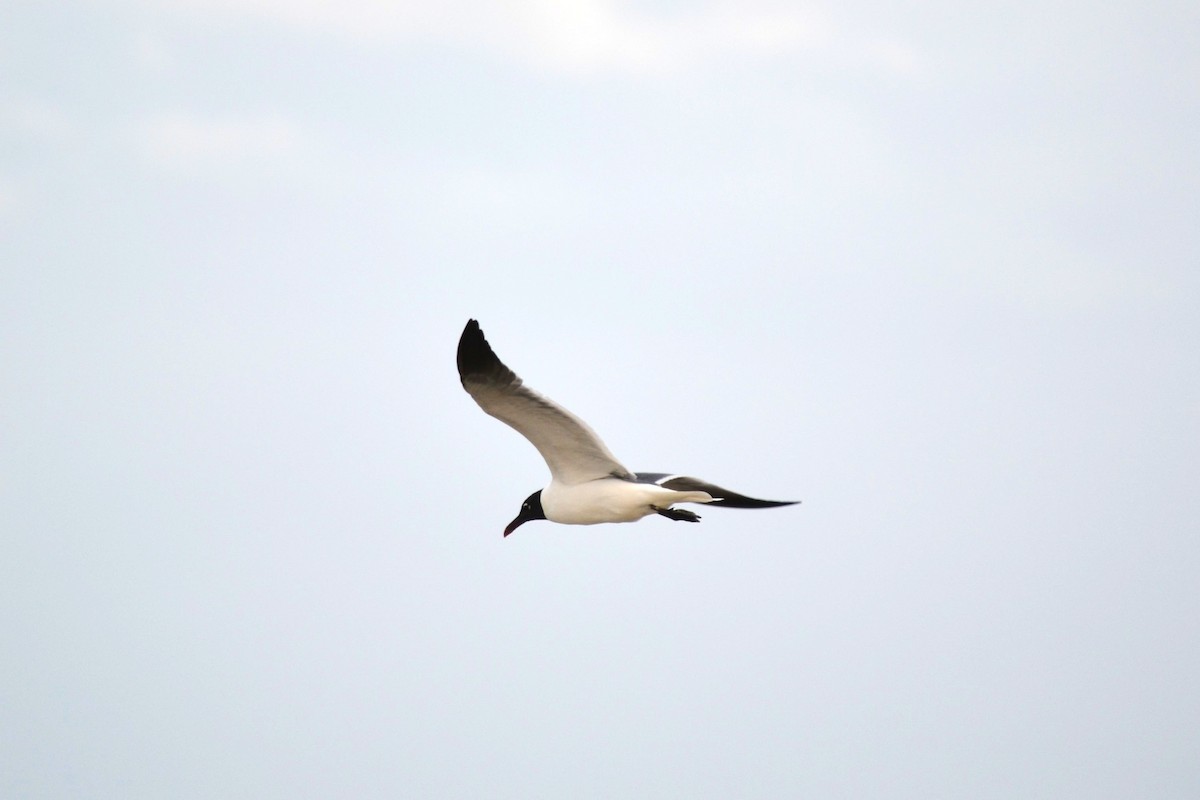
(677, 514)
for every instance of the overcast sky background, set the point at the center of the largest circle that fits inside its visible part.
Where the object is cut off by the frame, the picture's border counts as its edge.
(934, 272)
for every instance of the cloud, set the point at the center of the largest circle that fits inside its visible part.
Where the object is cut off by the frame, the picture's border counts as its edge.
(190, 142)
(580, 37)
(592, 35)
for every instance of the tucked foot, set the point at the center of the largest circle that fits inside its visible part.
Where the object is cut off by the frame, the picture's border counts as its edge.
(677, 514)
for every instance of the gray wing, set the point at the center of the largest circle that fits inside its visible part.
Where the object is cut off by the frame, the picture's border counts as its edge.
(571, 449)
(721, 497)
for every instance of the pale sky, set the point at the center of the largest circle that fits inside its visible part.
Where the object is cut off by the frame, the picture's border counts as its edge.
(936, 273)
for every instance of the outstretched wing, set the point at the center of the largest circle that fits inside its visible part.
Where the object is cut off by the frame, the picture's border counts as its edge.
(571, 449)
(721, 497)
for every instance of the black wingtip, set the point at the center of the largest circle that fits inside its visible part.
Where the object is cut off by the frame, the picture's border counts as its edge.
(722, 497)
(475, 355)
(741, 501)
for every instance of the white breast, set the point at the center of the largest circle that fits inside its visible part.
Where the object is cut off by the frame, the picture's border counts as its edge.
(609, 500)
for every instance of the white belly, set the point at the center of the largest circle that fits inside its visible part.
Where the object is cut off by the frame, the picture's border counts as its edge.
(609, 500)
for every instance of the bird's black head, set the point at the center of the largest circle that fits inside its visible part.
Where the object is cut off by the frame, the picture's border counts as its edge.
(531, 509)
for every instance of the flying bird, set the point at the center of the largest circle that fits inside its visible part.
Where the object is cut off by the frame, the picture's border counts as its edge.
(587, 483)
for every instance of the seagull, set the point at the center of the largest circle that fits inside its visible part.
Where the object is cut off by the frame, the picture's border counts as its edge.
(587, 483)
